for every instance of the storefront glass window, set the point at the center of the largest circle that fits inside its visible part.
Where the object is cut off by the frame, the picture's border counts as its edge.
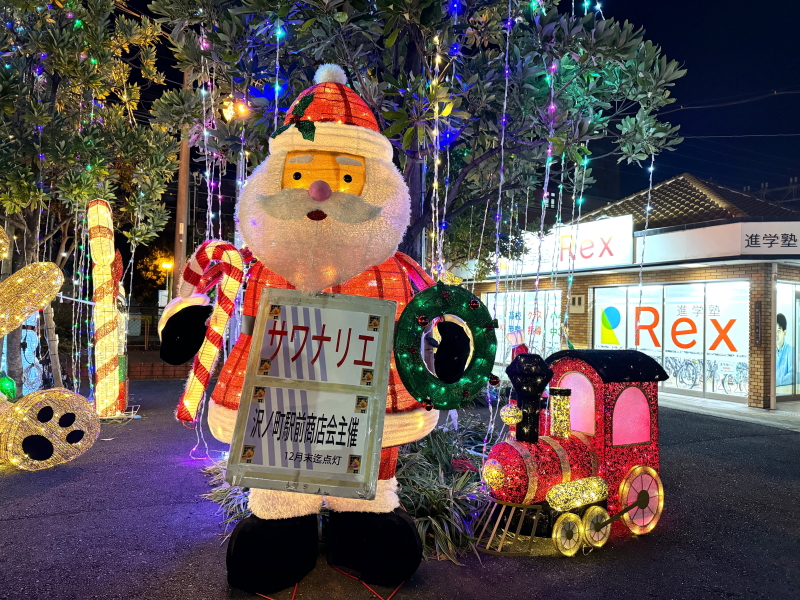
(645, 325)
(683, 336)
(543, 322)
(509, 310)
(610, 325)
(699, 332)
(785, 342)
(727, 337)
(536, 320)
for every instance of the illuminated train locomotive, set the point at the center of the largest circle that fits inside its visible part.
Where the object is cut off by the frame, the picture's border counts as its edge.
(598, 449)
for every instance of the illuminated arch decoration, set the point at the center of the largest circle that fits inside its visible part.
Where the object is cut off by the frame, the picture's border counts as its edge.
(26, 291)
(435, 303)
(106, 324)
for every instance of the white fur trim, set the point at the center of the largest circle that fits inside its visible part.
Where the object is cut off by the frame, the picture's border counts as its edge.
(335, 137)
(398, 428)
(386, 500)
(330, 73)
(271, 504)
(177, 304)
(221, 421)
(409, 426)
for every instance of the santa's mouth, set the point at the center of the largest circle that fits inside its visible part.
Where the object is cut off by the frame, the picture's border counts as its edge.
(317, 215)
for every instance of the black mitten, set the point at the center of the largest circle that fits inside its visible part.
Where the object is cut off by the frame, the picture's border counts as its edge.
(183, 334)
(450, 360)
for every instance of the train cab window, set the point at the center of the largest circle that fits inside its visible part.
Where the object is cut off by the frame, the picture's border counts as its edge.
(581, 402)
(631, 422)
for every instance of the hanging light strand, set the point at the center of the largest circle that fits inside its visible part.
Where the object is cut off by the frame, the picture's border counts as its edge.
(579, 202)
(647, 210)
(550, 117)
(436, 252)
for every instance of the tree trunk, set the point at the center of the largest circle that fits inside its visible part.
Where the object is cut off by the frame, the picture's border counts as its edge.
(413, 174)
(182, 209)
(412, 243)
(52, 345)
(14, 338)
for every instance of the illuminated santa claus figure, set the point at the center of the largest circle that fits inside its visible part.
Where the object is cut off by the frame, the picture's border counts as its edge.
(324, 212)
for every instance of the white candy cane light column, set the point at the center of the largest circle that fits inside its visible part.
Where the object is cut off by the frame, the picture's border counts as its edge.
(213, 261)
(106, 336)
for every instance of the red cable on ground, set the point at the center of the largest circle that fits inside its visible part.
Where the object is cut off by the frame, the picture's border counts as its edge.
(351, 576)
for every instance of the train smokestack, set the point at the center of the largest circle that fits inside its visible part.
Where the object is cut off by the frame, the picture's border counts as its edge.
(529, 375)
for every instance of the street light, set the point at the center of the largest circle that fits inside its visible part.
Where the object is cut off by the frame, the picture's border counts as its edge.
(167, 266)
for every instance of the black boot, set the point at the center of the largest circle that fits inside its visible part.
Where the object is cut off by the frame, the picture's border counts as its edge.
(384, 548)
(266, 556)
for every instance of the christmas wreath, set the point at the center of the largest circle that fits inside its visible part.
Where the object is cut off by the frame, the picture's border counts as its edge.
(432, 306)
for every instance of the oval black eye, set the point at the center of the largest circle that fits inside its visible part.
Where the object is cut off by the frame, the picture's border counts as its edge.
(297, 176)
(348, 178)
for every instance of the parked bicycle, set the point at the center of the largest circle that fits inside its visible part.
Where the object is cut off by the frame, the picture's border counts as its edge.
(738, 381)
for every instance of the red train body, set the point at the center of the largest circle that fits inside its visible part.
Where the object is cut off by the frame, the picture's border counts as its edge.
(614, 434)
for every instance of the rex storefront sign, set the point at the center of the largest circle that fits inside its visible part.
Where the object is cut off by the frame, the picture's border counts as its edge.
(698, 331)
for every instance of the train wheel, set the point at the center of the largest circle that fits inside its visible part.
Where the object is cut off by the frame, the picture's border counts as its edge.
(593, 534)
(642, 486)
(568, 534)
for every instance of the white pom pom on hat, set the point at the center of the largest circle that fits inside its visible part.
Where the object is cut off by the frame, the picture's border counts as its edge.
(330, 73)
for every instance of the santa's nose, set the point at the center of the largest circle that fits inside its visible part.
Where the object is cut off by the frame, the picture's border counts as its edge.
(319, 191)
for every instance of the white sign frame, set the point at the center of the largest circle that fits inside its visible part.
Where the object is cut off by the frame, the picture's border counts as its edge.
(361, 485)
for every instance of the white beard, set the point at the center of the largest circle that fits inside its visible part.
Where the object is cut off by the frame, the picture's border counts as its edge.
(316, 255)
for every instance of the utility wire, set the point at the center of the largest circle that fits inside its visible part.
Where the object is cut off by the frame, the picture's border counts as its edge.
(733, 102)
(748, 135)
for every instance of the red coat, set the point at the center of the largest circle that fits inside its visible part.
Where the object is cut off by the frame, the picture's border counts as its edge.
(391, 280)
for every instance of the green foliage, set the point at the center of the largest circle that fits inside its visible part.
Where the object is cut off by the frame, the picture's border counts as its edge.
(232, 500)
(440, 487)
(67, 103)
(429, 77)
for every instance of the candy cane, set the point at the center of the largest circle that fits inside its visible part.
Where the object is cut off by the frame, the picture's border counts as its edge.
(228, 261)
(106, 336)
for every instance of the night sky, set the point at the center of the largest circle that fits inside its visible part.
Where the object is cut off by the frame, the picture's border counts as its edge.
(733, 50)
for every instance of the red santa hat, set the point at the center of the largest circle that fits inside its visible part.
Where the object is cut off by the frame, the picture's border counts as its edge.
(331, 116)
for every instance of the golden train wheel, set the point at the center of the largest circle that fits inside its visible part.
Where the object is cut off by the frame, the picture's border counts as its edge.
(642, 485)
(47, 428)
(568, 534)
(593, 534)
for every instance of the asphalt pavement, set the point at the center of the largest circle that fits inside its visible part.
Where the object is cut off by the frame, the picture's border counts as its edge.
(126, 521)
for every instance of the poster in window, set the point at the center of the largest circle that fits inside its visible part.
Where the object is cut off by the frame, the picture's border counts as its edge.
(684, 329)
(610, 318)
(784, 338)
(645, 321)
(543, 322)
(727, 338)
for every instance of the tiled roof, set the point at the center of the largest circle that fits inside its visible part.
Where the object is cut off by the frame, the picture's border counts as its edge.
(687, 199)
